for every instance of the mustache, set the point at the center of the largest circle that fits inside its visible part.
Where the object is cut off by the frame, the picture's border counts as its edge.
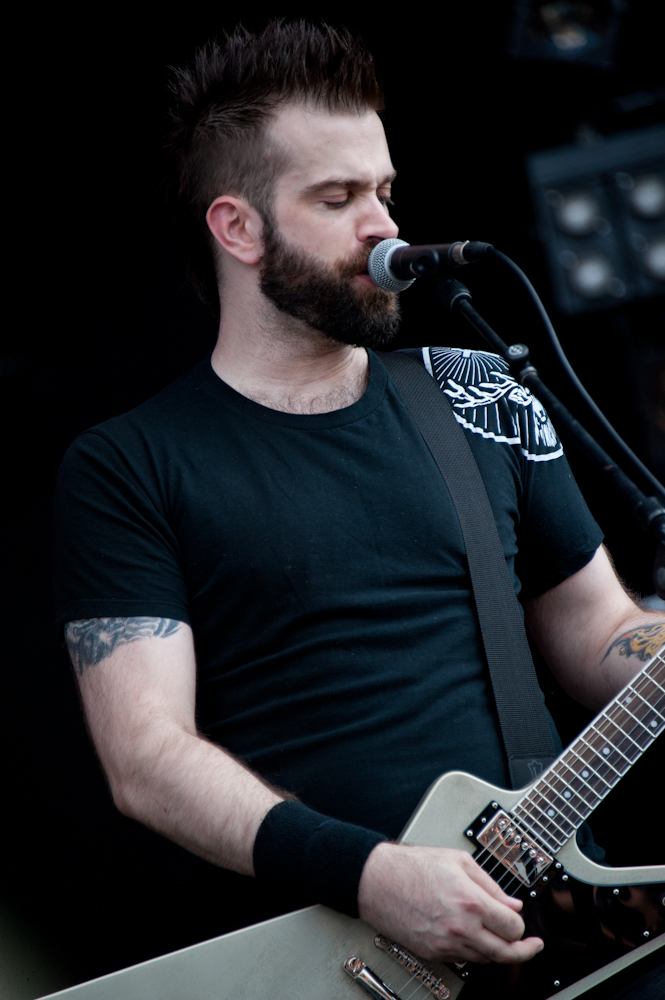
(358, 262)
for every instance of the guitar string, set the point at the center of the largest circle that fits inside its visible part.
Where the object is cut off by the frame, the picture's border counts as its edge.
(419, 986)
(639, 723)
(606, 724)
(596, 731)
(569, 801)
(551, 773)
(607, 721)
(585, 765)
(486, 854)
(637, 686)
(527, 807)
(396, 966)
(537, 791)
(508, 881)
(625, 709)
(593, 732)
(613, 723)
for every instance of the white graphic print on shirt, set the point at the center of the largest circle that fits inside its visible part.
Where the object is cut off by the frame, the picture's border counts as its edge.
(481, 391)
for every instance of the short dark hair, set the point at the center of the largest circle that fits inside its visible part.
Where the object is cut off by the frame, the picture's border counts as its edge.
(223, 104)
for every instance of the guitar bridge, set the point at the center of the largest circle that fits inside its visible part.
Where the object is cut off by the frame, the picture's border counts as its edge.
(376, 987)
(515, 849)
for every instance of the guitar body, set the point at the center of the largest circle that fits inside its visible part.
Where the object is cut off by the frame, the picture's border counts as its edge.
(436, 823)
(300, 956)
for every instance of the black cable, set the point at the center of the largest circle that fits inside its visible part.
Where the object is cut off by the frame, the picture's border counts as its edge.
(600, 416)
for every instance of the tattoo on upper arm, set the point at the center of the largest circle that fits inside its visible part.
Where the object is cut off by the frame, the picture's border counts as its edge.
(91, 640)
(643, 642)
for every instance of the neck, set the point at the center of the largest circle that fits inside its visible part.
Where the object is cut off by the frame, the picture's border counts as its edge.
(284, 364)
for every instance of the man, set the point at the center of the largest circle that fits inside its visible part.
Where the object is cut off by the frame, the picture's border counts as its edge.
(275, 522)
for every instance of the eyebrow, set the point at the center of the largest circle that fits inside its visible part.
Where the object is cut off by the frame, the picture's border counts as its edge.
(346, 182)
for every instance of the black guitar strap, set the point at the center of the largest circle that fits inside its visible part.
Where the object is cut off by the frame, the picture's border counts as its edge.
(524, 725)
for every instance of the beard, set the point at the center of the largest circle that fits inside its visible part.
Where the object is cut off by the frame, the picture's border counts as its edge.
(324, 296)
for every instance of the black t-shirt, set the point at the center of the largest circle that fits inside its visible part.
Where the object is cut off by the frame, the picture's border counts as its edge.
(319, 561)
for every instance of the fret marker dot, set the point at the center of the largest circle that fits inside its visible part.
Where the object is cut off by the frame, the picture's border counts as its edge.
(585, 774)
(566, 795)
(550, 812)
(653, 723)
(627, 701)
(606, 751)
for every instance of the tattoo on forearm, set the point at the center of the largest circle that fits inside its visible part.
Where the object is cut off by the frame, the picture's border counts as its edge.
(91, 640)
(642, 642)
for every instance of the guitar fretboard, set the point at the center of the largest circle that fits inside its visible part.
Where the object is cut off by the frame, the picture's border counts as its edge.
(571, 788)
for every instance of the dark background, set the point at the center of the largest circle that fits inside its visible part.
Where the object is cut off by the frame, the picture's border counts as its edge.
(99, 317)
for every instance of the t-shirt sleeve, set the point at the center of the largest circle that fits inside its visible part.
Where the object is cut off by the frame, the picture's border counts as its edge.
(557, 534)
(510, 432)
(115, 554)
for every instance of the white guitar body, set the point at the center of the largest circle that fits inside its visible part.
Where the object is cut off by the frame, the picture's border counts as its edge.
(300, 956)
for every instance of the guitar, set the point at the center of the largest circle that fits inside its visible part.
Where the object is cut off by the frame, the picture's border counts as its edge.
(525, 839)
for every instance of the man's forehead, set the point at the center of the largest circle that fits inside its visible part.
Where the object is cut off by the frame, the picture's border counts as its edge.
(323, 145)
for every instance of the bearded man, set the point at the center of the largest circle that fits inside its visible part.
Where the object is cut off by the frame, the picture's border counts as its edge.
(262, 578)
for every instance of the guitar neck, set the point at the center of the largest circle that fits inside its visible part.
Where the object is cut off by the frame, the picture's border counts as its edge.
(557, 804)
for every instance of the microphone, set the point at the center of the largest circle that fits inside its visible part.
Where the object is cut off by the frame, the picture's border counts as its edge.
(394, 265)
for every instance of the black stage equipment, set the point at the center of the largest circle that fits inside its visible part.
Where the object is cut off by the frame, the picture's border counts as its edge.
(600, 212)
(570, 31)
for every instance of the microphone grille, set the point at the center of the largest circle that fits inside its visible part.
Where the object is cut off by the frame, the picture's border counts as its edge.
(378, 266)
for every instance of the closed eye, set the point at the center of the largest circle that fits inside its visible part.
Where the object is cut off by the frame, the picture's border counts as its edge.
(385, 200)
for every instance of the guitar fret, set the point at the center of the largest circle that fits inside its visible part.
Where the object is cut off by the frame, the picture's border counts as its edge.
(580, 788)
(570, 789)
(540, 832)
(568, 804)
(563, 806)
(587, 773)
(580, 782)
(646, 680)
(610, 752)
(547, 820)
(597, 765)
(650, 717)
(624, 719)
(554, 816)
(657, 684)
(638, 722)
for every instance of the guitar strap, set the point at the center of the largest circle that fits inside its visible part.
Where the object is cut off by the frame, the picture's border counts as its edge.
(524, 725)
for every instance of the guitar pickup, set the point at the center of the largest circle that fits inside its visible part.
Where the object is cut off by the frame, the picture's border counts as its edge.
(514, 848)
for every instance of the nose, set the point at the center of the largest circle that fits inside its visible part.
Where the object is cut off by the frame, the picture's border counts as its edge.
(376, 224)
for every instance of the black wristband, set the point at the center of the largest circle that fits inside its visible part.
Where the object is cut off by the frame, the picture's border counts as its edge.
(312, 857)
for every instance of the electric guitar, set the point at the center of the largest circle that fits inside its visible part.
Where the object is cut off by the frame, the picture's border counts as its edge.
(524, 839)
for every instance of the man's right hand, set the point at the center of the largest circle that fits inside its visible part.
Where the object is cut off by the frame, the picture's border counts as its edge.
(440, 904)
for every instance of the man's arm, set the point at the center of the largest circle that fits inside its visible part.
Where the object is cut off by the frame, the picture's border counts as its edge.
(137, 682)
(595, 639)
(592, 634)
(137, 678)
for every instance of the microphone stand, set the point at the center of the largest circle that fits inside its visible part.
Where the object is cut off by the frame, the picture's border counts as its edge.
(647, 510)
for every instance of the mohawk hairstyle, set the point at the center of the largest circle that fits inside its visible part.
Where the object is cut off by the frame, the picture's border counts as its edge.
(223, 105)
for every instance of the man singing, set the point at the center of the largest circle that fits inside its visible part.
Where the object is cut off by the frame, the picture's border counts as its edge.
(260, 572)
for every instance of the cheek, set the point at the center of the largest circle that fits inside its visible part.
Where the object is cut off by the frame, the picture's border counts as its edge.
(325, 234)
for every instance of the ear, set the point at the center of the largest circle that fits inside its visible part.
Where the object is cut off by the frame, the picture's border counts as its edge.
(237, 228)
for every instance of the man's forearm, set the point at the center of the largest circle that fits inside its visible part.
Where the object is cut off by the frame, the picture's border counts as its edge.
(594, 637)
(137, 678)
(197, 795)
